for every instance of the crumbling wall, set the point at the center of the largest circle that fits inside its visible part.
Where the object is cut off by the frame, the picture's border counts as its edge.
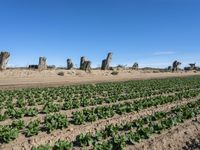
(106, 62)
(85, 64)
(82, 61)
(70, 64)
(42, 63)
(191, 67)
(4, 56)
(175, 66)
(135, 66)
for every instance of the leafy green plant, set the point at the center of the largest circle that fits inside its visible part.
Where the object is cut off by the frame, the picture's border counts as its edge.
(51, 107)
(119, 142)
(103, 146)
(67, 105)
(31, 112)
(78, 118)
(42, 147)
(16, 113)
(21, 103)
(19, 124)
(55, 121)
(8, 134)
(84, 140)
(63, 145)
(3, 117)
(133, 138)
(32, 128)
(111, 130)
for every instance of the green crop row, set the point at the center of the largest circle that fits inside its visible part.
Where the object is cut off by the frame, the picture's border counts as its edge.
(101, 92)
(103, 112)
(118, 136)
(58, 121)
(51, 122)
(49, 107)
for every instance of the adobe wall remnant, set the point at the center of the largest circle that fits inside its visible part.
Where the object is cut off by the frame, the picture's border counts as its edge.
(70, 64)
(42, 63)
(85, 64)
(106, 62)
(4, 56)
(191, 67)
(175, 66)
(135, 66)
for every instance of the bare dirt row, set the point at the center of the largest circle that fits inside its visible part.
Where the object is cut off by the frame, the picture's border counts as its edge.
(72, 131)
(69, 113)
(175, 139)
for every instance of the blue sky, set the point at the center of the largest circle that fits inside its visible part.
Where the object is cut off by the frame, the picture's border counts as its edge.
(151, 32)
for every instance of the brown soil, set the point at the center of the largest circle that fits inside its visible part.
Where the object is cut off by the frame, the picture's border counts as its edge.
(72, 131)
(175, 139)
(179, 137)
(193, 143)
(69, 113)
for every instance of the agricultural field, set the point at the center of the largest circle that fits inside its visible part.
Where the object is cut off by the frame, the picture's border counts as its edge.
(135, 114)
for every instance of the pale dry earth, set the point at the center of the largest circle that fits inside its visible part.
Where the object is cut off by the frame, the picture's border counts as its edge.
(16, 78)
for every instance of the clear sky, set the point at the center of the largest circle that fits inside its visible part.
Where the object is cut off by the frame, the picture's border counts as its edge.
(150, 32)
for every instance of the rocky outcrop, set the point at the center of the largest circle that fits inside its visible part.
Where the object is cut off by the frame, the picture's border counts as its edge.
(4, 56)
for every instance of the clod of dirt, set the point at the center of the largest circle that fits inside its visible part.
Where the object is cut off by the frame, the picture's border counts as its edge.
(115, 73)
(61, 73)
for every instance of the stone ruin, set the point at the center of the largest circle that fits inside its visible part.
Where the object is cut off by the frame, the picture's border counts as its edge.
(135, 66)
(191, 67)
(70, 64)
(121, 67)
(4, 60)
(85, 64)
(42, 63)
(169, 68)
(33, 66)
(106, 62)
(175, 66)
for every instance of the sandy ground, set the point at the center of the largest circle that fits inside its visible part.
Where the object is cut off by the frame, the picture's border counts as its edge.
(33, 78)
(176, 138)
